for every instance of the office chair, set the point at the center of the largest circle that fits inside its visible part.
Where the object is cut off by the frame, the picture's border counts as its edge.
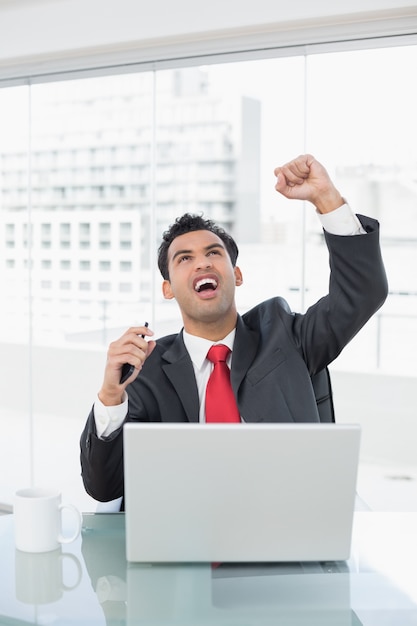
(321, 385)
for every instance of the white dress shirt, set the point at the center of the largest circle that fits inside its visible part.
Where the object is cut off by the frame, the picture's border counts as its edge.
(197, 348)
(341, 221)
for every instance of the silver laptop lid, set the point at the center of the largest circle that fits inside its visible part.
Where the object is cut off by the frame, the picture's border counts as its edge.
(239, 492)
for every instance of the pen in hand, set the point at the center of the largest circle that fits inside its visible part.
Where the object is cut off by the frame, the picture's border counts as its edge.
(127, 369)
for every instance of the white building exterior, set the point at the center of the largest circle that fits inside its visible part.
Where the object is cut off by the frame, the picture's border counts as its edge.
(97, 171)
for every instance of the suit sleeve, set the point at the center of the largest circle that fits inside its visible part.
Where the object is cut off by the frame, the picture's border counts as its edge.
(357, 289)
(102, 462)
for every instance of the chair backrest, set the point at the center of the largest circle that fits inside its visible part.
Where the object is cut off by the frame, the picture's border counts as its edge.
(321, 384)
(324, 395)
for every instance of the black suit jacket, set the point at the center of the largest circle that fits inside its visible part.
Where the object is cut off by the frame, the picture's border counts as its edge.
(274, 354)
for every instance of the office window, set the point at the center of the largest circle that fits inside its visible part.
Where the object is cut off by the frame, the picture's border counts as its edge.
(221, 129)
(371, 160)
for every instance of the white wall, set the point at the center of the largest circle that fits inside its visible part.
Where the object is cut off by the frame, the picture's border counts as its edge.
(50, 380)
(40, 445)
(40, 35)
(385, 406)
(65, 382)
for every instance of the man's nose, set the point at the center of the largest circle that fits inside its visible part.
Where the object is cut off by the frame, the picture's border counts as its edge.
(203, 262)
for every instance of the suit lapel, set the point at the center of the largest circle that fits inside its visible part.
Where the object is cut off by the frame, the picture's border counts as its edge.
(244, 351)
(178, 368)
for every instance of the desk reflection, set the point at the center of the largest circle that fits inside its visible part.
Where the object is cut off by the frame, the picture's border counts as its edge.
(376, 586)
(299, 594)
(39, 577)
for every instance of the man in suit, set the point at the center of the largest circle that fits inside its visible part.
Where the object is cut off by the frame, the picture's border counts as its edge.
(274, 352)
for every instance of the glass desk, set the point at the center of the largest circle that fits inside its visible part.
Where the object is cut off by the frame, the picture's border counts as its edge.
(89, 582)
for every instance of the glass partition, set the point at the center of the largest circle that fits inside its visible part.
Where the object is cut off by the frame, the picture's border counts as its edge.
(16, 330)
(94, 170)
(360, 110)
(230, 125)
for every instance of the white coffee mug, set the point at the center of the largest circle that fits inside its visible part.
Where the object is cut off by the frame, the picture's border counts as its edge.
(38, 520)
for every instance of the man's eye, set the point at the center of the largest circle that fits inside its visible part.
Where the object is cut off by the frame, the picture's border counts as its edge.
(184, 258)
(213, 252)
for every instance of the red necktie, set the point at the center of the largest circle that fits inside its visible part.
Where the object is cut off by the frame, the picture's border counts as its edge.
(220, 400)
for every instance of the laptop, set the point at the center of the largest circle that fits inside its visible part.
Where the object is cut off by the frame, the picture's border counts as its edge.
(239, 492)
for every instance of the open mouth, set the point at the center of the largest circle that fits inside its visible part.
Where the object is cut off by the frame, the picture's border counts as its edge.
(205, 284)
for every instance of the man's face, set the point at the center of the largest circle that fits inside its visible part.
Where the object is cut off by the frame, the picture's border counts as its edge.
(202, 279)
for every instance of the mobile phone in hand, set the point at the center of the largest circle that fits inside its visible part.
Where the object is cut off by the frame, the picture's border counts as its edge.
(127, 369)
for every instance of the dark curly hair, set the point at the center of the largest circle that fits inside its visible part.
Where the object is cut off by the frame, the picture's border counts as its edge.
(188, 223)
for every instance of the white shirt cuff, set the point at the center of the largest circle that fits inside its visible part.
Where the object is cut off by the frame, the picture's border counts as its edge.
(109, 418)
(341, 221)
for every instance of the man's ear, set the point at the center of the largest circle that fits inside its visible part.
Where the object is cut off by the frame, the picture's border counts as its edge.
(238, 276)
(167, 291)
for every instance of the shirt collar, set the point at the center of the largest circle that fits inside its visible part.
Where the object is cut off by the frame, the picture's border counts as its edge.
(198, 347)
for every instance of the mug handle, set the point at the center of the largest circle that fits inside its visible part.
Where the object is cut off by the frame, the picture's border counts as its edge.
(78, 519)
